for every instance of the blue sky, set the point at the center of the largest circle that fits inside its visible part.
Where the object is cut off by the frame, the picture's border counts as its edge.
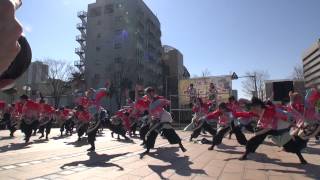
(220, 35)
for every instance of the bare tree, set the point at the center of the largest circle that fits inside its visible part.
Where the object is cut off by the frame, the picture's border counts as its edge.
(249, 84)
(205, 73)
(59, 78)
(298, 73)
(119, 76)
(78, 79)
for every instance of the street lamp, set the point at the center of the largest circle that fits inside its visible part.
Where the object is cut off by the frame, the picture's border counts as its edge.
(234, 76)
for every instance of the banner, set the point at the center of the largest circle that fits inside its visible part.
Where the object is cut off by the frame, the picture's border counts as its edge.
(223, 85)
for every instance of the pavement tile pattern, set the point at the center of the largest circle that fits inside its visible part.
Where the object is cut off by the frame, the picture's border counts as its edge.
(65, 158)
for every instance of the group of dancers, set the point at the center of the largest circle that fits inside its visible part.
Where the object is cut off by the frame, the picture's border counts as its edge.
(289, 126)
(88, 117)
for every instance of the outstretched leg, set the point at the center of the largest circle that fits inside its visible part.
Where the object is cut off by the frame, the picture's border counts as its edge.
(218, 138)
(241, 138)
(173, 138)
(41, 130)
(253, 144)
(197, 131)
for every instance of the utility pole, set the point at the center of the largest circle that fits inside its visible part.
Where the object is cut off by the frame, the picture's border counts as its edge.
(234, 76)
(255, 84)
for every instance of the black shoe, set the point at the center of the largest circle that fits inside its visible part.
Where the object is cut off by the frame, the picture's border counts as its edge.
(144, 153)
(91, 149)
(211, 148)
(79, 139)
(205, 141)
(243, 157)
(183, 149)
(303, 162)
(11, 135)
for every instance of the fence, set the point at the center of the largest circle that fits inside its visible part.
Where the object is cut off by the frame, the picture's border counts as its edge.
(181, 114)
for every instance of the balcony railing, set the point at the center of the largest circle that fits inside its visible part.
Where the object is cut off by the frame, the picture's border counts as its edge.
(80, 38)
(82, 14)
(81, 26)
(79, 51)
(79, 63)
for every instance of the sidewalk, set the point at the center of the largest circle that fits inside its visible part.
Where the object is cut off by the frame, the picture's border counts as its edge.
(63, 158)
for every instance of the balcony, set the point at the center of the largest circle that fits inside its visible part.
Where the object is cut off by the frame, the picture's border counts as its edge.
(82, 14)
(79, 63)
(81, 26)
(80, 38)
(79, 51)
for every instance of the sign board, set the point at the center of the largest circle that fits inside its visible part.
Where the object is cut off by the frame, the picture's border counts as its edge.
(223, 85)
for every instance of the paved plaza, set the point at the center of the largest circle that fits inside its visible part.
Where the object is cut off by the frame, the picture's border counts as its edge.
(63, 158)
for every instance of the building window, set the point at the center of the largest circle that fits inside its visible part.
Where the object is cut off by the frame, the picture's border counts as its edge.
(119, 19)
(99, 22)
(117, 46)
(98, 49)
(117, 59)
(98, 35)
(108, 9)
(94, 12)
(119, 5)
(118, 32)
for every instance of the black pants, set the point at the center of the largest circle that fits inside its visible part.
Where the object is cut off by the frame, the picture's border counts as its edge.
(134, 128)
(36, 126)
(197, 131)
(169, 134)
(69, 124)
(10, 125)
(295, 145)
(82, 130)
(46, 127)
(241, 138)
(143, 132)
(28, 128)
(256, 141)
(62, 127)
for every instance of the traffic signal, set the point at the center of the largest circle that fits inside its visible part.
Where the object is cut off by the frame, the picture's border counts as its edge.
(234, 76)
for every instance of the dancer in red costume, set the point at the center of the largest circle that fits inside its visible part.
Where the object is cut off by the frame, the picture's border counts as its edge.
(46, 119)
(30, 115)
(160, 122)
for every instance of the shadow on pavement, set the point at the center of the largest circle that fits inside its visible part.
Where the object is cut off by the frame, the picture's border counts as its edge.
(14, 147)
(229, 151)
(129, 141)
(96, 160)
(60, 137)
(82, 142)
(309, 170)
(39, 141)
(220, 146)
(6, 138)
(181, 165)
(311, 150)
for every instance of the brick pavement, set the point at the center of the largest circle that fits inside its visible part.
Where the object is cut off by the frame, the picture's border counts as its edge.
(63, 158)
